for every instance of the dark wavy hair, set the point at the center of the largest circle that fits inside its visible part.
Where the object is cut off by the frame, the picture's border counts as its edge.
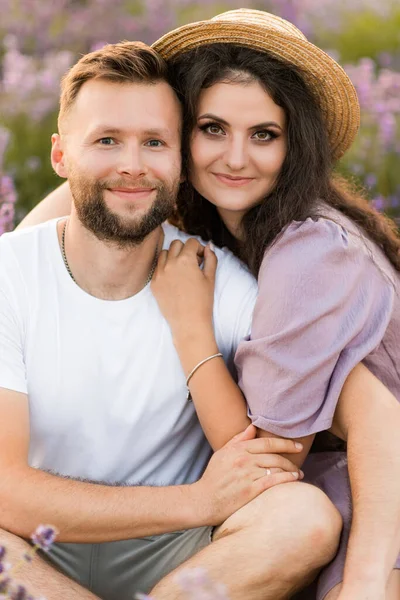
(306, 177)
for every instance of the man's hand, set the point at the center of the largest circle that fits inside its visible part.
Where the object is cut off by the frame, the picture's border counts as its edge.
(241, 470)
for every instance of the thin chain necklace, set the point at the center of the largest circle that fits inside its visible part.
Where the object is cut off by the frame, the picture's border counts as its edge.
(149, 278)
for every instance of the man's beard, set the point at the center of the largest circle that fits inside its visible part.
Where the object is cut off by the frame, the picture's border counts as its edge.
(106, 225)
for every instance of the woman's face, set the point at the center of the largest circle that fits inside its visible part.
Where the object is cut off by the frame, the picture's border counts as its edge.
(237, 148)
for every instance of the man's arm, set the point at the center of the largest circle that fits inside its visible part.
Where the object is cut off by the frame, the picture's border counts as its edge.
(368, 416)
(56, 204)
(89, 512)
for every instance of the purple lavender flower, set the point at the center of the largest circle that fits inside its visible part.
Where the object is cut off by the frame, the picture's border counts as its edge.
(197, 584)
(370, 180)
(394, 201)
(44, 536)
(3, 552)
(4, 585)
(379, 203)
(387, 130)
(28, 557)
(7, 201)
(4, 139)
(18, 593)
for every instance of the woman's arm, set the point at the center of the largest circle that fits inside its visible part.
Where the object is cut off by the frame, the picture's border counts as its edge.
(56, 204)
(185, 295)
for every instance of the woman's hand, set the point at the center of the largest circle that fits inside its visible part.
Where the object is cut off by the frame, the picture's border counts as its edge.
(183, 290)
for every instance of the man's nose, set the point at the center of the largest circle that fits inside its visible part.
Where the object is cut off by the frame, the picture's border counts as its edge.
(236, 154)
(131, 162)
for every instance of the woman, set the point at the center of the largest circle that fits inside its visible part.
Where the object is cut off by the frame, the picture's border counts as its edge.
(264, 123)
(266, 114)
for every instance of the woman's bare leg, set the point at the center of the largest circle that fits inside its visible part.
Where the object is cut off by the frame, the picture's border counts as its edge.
(393, 591)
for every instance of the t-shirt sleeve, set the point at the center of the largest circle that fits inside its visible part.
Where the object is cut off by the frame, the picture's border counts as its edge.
(12, 365)
(323, 306)
(235, 295)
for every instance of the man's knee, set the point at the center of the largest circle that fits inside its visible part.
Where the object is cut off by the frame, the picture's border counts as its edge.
(14, 545)
(301, 513)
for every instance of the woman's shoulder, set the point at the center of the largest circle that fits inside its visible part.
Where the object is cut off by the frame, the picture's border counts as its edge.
(327, 240)
(327, 225)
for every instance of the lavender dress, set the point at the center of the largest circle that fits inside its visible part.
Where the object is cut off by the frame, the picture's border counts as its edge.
(328, 299)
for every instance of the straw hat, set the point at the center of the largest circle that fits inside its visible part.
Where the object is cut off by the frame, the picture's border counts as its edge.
(263, 31)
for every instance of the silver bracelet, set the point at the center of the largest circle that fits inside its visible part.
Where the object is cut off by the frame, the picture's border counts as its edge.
(193, 371)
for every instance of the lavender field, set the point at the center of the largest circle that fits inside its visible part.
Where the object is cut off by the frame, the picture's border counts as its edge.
(40, 40)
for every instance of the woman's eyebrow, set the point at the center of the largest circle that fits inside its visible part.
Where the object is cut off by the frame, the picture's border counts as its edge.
(267, 124)
(214, 118)
(258, 126)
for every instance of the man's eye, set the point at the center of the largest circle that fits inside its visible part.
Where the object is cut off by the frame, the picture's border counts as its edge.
(155, 143)
(106, 141)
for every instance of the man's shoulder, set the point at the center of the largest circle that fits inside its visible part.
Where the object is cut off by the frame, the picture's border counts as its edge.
(23, 236)
(230, 268)
(21, 251)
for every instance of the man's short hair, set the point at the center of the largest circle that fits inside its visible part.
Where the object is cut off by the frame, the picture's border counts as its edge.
(125, 62)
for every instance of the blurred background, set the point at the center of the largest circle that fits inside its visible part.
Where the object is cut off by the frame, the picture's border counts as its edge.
(40, 39)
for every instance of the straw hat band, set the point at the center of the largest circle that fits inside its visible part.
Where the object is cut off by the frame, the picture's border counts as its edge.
(327, 81)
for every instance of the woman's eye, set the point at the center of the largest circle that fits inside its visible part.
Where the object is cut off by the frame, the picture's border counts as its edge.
(264, 135)
(212, 129)
(107, 141)
(155, 143)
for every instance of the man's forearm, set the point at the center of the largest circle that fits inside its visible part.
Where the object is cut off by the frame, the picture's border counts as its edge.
(89, 512)
(374, 466)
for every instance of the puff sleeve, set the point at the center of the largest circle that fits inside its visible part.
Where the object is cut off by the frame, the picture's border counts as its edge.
(324, 304)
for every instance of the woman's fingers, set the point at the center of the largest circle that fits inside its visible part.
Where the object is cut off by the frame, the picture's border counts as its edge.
(175, 249)
(210, 263)
(193, 248)
(271, 445)
(162, 259)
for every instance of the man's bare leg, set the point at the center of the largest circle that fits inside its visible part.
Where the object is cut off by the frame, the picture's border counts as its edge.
(393, 591)
(268, 549)
(38, 576)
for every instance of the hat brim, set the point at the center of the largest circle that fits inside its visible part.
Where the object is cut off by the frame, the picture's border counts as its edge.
(329, 83)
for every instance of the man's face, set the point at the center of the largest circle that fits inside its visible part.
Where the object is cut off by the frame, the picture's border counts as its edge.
(120, 150)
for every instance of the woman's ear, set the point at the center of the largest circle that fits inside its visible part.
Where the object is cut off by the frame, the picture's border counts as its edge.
(57, 155)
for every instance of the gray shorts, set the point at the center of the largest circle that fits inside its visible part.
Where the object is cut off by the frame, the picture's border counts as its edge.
(118, 570)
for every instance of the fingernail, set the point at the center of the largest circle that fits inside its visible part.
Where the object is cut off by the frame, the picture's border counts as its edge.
(295, 475)
(298, 445)
(268, 471)
(211, 245)
(302, 474)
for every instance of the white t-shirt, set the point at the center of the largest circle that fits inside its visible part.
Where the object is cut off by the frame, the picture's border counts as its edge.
(107, 394)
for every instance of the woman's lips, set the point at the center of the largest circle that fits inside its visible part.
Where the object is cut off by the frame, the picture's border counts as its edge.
(233, 181)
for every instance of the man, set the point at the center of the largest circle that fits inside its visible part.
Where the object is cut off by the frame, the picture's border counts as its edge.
(98, 437)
